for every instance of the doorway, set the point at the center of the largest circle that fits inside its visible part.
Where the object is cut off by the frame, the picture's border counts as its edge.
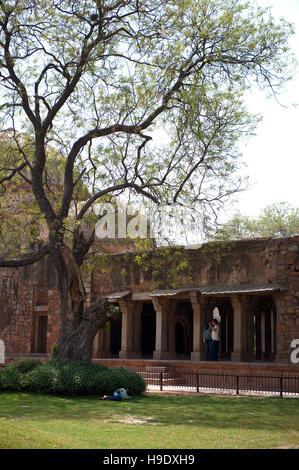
(41, 334)
(179, 338)
(115, 336)
(148, 330)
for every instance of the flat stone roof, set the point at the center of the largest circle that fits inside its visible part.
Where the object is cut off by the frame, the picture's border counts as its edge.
(206, 291)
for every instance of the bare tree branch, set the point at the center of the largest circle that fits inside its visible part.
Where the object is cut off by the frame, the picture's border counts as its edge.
(29, 258)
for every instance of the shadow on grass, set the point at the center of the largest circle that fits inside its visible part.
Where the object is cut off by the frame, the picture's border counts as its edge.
(203, 411)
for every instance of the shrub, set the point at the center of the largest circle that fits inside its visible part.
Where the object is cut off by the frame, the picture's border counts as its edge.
(119, 377)
(75, 377)
(42, 379)
(68, 378)
(78, 377)
(24, 365)
(54, 352)
(10, 379)
(11, 376)
(87, 366)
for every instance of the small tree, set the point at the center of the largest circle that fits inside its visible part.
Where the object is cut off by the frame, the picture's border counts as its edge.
(94, 79)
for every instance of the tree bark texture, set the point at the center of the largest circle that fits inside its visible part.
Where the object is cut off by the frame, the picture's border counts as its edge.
(79, 324)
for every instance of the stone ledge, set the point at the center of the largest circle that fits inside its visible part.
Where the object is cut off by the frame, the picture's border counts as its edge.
(203, 366)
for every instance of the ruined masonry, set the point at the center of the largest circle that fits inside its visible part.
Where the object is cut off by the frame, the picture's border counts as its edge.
(252, 288)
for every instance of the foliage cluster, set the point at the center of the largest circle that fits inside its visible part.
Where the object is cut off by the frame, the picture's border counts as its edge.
(165, 265)
(276, 220)
(67, 378)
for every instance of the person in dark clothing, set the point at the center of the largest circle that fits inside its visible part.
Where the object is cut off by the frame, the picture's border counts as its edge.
(120, 394)
(207, 339)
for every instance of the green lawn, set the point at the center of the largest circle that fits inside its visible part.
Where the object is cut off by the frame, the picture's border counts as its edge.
(154, 422)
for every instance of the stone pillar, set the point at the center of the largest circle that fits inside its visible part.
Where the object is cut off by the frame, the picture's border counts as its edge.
(199, 306)
(268, 334)
(130, 329)
(250, 333)
(281, 331)
(242, 341)
(263, 334)
(162, 308)
(223, 334)
(258, 337)
(272, 334)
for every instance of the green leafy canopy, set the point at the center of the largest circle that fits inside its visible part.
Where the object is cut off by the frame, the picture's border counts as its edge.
(98, 81)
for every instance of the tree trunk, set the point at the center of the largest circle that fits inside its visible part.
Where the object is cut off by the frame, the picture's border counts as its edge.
(77, 345)
(78, 325)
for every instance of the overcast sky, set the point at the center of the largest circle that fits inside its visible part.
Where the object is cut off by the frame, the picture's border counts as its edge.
(272, 155)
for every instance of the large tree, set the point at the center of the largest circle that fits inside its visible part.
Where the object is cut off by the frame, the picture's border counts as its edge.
(95, 79)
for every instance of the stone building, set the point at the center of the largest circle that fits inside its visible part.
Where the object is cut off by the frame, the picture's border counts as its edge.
(252, 288)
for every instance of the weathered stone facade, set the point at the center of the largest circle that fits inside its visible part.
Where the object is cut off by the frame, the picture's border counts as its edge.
(27, 294)
(254, 284)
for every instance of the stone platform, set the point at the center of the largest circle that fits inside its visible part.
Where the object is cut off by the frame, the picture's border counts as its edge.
(223, 367)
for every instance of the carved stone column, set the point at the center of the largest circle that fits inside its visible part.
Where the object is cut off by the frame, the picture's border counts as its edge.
(130, 329)
(162, 308)
(199, 306)
(243, 329)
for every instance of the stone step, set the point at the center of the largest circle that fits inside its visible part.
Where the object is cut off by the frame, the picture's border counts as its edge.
(165, 381)
(173, 383)
(153, 377)
(158, 368)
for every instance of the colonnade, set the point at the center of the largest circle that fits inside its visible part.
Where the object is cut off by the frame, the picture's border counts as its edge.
(249, 335)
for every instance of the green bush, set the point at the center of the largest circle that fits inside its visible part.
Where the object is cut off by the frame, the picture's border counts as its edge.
(119, 377)
(24, 365)
(77, 377)
(68, 378)
(10, 379)
(11, 376)
(42, 379)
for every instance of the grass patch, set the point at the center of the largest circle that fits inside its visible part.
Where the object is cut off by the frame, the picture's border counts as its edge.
(35, 421)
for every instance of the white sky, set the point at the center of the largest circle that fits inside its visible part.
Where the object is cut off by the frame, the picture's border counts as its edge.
(272, 156)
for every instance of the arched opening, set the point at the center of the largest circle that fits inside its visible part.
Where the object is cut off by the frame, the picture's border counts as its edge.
(115, 336)
(182, 330)
(41, 335)
(179, 338)
(221, 310)
(264, 340)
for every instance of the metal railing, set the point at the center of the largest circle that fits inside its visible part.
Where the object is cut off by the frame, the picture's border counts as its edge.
(231, 383)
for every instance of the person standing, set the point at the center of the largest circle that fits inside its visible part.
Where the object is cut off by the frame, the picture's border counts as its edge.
(207, 339)
(215, 339)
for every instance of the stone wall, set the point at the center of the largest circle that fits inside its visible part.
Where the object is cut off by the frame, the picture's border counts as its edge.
(16, 312)
(28, 292)
(249, 262)
(246, 262)
(24, 294)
